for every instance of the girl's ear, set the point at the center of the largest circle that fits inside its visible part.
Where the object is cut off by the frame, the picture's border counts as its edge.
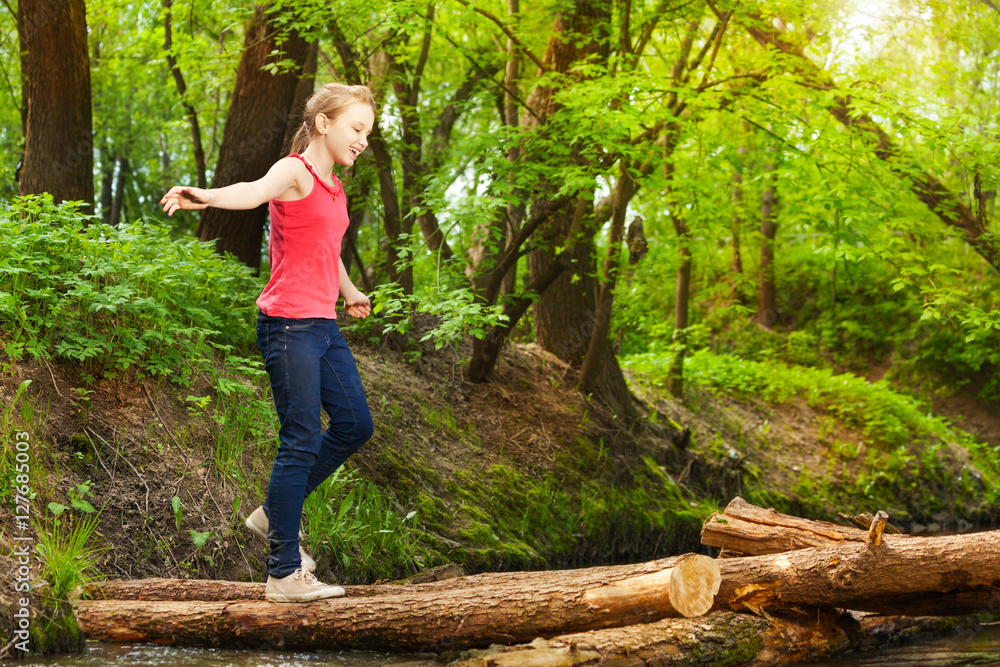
(321, 122)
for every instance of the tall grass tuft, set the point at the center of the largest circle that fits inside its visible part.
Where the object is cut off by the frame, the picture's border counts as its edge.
(68, 557)
(353, 523)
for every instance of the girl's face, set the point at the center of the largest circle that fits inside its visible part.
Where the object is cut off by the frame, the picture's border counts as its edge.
(347, 135)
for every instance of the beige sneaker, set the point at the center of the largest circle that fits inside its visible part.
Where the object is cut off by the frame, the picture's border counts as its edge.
(300, 586)
(257, 523)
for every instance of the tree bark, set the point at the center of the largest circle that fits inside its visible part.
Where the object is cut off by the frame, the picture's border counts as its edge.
(747, 530)
(118, 203)
(304, 89)
(486, 351)
(58, 140)
(391, 216)
(512, 76)
(565, 314)
(956, 574)
(428, 617)
(721, 638)
(598, 348)
(206, 590)
(255, 128)
(682, 291)
(107, 184)
(737, 220)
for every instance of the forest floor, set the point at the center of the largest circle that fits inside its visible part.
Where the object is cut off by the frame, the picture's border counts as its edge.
(524, 472)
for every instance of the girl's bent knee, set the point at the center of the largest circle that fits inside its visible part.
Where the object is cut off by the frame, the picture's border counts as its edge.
(366, 429)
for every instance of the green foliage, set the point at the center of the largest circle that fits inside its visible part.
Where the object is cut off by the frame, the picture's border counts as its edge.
(9, 466)
(67, 554)
(178, 511)
(200, 539)
(121, 301)
(77, 500)
(512, 519)
(353, 522)
(243, 421)
(457, 313)
(880, 413)
(903, 443)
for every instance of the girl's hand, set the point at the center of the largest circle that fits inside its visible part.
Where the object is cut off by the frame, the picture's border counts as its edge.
(185, 197)
(358, 305)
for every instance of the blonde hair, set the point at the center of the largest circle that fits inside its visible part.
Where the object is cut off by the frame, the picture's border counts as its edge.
(330, 100)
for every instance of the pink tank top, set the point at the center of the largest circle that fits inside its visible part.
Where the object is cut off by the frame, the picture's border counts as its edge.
(304, 249)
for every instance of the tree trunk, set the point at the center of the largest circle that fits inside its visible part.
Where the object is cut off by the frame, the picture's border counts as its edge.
(391, 216)
(512, 76)
(304, 89)
(598, 348)
(118, 203)
(737, 263)
(429, 617)
(955, 574)
(349, 252)
(107, 185)
(721, 638)
(486, 350)
(406, 84)
(682, 298)
(255, 128)
(743, 529)
(565, 314)
(767, 312)
(58, 141)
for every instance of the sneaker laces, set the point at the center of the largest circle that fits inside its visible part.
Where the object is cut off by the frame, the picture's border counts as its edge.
(306, 577)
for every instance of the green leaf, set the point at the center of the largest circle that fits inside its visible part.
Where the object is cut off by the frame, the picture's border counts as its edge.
(199, 539)
(82, 505)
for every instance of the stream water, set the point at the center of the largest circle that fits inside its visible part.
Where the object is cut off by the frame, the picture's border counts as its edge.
(980, 649)
(153, 655)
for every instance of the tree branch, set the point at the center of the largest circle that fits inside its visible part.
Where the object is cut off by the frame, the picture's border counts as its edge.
(506, 31)
(425, 48)
(948, 207)
(503, 88)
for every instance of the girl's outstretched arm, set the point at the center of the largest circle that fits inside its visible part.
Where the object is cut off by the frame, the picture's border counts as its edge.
(286, 174)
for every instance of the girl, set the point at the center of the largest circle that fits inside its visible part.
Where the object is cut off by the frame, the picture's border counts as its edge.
(306, 358)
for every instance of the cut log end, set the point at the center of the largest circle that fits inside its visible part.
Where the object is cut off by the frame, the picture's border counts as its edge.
(694, 582)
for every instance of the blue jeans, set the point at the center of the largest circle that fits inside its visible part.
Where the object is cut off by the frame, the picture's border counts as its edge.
(311, 368)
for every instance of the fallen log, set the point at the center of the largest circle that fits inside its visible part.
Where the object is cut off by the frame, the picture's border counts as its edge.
(948, 575)
(433, 616)
(213, 590)
(720, 638)
(748, 530)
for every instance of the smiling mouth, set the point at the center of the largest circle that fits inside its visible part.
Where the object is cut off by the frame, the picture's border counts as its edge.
(354, 151)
